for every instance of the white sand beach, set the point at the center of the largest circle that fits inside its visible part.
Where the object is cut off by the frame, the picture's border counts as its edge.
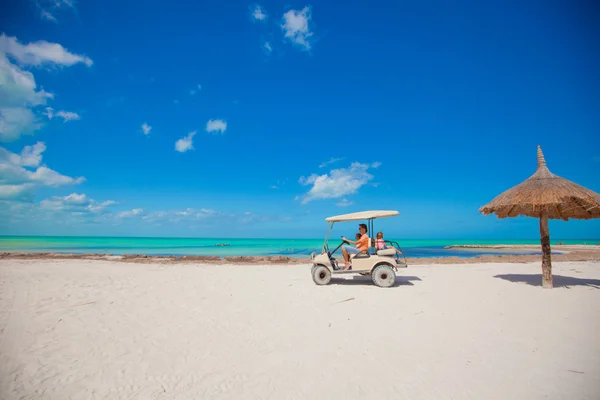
(80, 329)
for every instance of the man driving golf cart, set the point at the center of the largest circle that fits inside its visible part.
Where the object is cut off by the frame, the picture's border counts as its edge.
(362, 246)
(380, 264)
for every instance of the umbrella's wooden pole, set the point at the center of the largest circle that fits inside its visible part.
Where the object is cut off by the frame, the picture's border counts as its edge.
(546, 252)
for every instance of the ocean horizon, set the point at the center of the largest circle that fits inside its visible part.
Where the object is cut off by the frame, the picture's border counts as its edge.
(180, 246)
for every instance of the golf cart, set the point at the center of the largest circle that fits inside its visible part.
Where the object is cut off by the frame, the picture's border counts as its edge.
(381, 265)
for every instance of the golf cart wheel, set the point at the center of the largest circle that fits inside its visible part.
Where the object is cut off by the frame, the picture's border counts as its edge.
(383, 275)
(321, 275)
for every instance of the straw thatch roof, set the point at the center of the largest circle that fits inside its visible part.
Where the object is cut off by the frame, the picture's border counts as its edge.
(545, 192)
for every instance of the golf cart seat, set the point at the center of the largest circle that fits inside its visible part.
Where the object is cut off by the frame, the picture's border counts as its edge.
(386, 252)
(362, 254)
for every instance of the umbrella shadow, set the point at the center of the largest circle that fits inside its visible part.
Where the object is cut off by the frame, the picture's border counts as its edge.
(557, 280)
(366, 280)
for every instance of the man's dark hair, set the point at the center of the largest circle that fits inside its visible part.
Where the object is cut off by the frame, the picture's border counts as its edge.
(364, 226)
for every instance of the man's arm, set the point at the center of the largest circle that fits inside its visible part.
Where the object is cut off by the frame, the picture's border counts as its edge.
(348, 240)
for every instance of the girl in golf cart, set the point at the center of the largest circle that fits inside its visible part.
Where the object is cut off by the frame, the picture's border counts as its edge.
(380, 243)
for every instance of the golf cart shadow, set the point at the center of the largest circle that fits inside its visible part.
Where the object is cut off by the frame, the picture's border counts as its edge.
(366, 280)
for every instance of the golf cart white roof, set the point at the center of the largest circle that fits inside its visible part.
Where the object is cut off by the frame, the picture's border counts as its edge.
(363, 215)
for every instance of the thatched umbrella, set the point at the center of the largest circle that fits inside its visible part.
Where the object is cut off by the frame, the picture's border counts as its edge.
(545, 195)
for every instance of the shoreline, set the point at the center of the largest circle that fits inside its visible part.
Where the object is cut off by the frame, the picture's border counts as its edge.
(568, 253)
(561, 247)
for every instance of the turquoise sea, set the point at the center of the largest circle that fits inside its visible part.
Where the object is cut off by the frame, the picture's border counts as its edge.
(240, 247)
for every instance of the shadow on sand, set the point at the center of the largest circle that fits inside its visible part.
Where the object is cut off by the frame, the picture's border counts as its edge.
(366, 280)
(557, 280)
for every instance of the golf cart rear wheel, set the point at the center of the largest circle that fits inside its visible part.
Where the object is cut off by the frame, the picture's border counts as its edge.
(384, 276)
(321, 275)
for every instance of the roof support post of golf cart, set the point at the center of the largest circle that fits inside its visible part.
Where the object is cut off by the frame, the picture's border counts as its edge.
(327, 234)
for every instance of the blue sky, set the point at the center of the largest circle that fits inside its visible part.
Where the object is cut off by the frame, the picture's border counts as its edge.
(260, 119)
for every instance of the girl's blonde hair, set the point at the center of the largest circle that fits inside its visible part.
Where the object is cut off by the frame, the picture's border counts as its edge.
(379, 235)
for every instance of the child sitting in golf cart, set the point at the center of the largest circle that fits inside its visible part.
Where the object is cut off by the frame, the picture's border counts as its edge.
(380, 243)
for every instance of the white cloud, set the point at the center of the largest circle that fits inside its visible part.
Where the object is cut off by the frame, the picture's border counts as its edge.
(40, 53)
(19, 94)
(65, 115)
(44, 14)
(330, 161)
(258, 13)
(68, 116)
(31, 156)
(75, 198)
(68, 211)
(195, 90)
(338, 183)
(344, 203)
(49, 113)
(67, 3)
(248, 218)
(296, 27)
(279, 183)
(175, 216)
(376, 164)
(98, 207)
(131, 213)
(48, 177)
(77, 208)
(75, 202)
(13, 174)
(22, 192)
(21, 174)
(184, 144)
(146, 128)
(16, 121)
(216, 125)
(46, 6)
(267, 47)
(18, 87)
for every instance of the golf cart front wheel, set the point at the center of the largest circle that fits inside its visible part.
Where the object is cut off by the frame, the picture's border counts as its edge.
(321, 275)
(384, 276)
